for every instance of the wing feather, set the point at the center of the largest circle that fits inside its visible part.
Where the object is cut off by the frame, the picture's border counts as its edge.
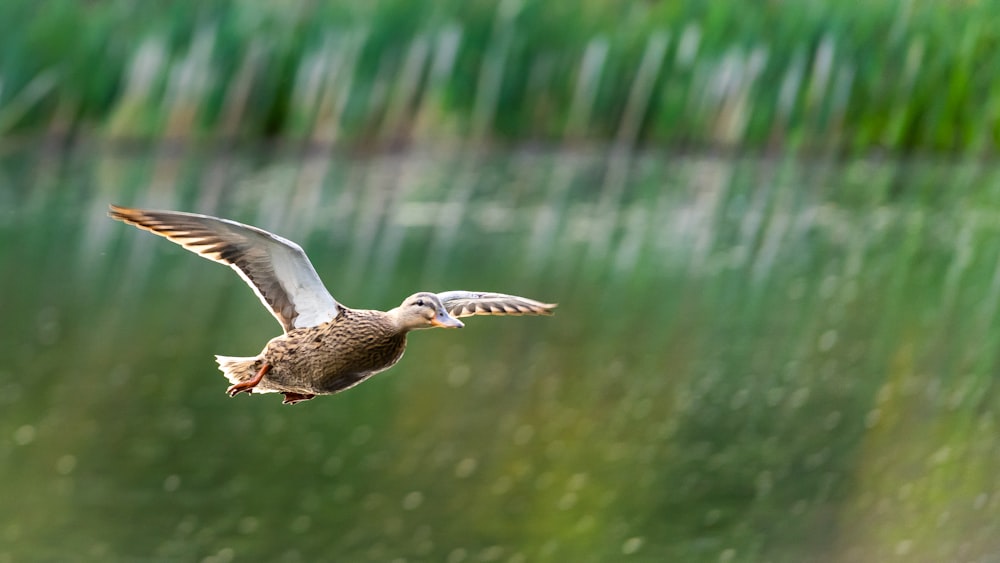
(277, 269)
(468, 303)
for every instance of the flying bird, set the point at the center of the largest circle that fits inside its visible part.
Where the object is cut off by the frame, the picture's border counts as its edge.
(326, 347)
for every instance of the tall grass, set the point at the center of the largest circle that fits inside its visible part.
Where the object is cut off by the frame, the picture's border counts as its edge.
(893, 74)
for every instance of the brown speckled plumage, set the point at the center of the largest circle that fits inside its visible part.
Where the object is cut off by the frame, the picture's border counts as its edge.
(331, 357)
(326, 347)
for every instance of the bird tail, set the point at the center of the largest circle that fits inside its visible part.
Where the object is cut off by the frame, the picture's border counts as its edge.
(238, 370)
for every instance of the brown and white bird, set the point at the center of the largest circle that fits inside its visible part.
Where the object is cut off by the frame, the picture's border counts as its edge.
(326, 347)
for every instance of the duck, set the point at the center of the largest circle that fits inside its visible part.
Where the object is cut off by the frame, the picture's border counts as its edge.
(326, 347)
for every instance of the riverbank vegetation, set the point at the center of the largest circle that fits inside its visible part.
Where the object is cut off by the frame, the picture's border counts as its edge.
(890, 75)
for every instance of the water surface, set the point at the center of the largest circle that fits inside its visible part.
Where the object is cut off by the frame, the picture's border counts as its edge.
(753, 359)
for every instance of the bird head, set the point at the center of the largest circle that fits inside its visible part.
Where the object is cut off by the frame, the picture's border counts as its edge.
(424, 310)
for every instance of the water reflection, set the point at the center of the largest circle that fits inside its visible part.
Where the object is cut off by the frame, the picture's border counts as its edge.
(753, 359)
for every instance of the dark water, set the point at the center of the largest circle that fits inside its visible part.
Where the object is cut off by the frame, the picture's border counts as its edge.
(778, 360)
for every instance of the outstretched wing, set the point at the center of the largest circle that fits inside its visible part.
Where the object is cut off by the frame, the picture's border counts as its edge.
(277, 270)
(468, 303)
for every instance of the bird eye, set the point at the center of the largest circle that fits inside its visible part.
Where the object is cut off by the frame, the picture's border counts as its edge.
(420, 303)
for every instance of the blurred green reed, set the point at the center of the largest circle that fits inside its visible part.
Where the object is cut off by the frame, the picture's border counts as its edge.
(895, 74)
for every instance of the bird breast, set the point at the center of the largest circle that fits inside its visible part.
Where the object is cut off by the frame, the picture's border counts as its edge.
(355, 343)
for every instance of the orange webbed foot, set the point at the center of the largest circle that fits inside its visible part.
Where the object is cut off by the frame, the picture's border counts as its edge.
(247, 386)
(292, 398)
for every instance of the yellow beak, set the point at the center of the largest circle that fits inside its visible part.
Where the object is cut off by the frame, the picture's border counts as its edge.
(444, 320)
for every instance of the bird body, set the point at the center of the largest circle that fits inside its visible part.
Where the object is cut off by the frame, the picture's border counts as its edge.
(323, 359)
(326, 347)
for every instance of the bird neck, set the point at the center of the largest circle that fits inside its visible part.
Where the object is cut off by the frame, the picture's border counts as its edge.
(403, 322)
(396, 320)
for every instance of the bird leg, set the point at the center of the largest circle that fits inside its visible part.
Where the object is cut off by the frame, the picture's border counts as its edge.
(248, 385)
(292, 398)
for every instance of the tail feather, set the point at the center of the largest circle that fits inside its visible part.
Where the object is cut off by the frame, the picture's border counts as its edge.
(236, 369)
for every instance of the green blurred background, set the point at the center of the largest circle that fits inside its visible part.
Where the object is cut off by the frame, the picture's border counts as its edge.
(916, 75)
(773, 229)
